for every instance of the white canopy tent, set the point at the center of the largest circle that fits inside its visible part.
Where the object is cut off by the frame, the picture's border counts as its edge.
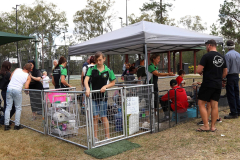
(142, 38)
(132, 39)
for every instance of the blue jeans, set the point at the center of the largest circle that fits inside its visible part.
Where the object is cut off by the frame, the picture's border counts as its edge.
(233, 93)
(5, 105)
(99, 107)
(16, 97)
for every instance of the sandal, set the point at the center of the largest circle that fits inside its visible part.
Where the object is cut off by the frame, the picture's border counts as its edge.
(214, 130)
(201, 130)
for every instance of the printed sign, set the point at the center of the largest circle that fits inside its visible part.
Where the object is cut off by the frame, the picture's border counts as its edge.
(132, 105)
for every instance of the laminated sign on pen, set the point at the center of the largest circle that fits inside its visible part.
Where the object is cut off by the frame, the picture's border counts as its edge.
(133, 114)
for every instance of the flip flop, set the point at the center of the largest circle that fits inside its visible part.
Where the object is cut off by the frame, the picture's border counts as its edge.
(201, 130)
(214, 130)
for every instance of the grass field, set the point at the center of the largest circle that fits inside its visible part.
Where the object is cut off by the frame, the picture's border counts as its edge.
(180, 142)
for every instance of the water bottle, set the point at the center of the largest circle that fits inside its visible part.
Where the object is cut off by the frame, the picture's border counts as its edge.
(118, 121)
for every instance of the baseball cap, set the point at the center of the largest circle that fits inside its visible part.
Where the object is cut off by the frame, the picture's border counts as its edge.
(212, 42)
(230, 43)
(173, 82)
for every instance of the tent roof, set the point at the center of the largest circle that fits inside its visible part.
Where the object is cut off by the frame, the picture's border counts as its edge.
(9, 37)
(131, 40)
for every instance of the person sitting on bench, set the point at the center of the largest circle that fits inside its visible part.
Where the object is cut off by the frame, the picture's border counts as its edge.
(182, 100)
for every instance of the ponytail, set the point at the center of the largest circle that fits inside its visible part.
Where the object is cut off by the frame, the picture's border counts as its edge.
(61, 61)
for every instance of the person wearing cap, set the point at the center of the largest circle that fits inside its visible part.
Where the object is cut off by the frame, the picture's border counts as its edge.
(60, 74)
(181, 96)
(233, 65)
(213, 68)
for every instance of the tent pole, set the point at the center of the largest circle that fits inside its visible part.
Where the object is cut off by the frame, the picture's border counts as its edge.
(148, 53)
(146, 62)
(180, 60)
(174, 63)
(126, 58)
(68, 68)
(36, 55)
(169, 62)
(108, 61)
(162, 60)
(194, 60)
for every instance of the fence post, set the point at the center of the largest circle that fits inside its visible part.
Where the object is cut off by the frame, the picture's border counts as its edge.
(150, 111)
(175, 92)
(197, 99)
(123, 113)
(125, 108)
(169, 107)
(156, 94)
(44, 111)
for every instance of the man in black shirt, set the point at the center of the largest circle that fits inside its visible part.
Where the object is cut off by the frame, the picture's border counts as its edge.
(213, 68)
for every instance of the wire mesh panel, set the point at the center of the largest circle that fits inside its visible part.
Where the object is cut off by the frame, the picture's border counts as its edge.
(188, 81)
(106, 116)
(138, 107)
(184, 107)
(163, 82)
(66, 115)
(223, 102)
(32, 115)
(175, 106)
(162, 112)
(130, 79)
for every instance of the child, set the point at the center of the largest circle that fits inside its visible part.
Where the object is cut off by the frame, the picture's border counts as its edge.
(126, 72)
(179, 79)
(45, 80)
(100, 75)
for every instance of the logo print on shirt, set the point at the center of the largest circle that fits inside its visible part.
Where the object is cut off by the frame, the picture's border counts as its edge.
(104, 75)
(218, 61)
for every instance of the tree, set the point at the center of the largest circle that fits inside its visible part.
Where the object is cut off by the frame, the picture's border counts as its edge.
(41, 20)
(94, 20)
(229, 17)
(144, 17)
(214, 30)
(159, 10)
(193, 23)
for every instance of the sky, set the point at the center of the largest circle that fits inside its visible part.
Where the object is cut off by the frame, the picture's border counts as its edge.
(208, 10)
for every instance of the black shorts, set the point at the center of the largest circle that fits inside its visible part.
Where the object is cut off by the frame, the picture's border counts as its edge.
(208, 94)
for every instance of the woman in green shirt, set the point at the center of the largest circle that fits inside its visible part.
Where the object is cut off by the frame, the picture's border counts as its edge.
(59, 74)
(153, 75)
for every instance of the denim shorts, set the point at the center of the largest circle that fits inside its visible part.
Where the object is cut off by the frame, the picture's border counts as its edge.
(99, 107)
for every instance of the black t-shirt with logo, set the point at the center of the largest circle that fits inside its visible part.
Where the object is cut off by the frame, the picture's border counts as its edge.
(213, 63)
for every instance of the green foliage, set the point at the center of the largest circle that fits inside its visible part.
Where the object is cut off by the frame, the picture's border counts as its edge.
(214, 30)
(193, 23)
(41, 20)
(157, 9)
(94, 20)
(144, 17)
(152, 12)
(229, 17)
